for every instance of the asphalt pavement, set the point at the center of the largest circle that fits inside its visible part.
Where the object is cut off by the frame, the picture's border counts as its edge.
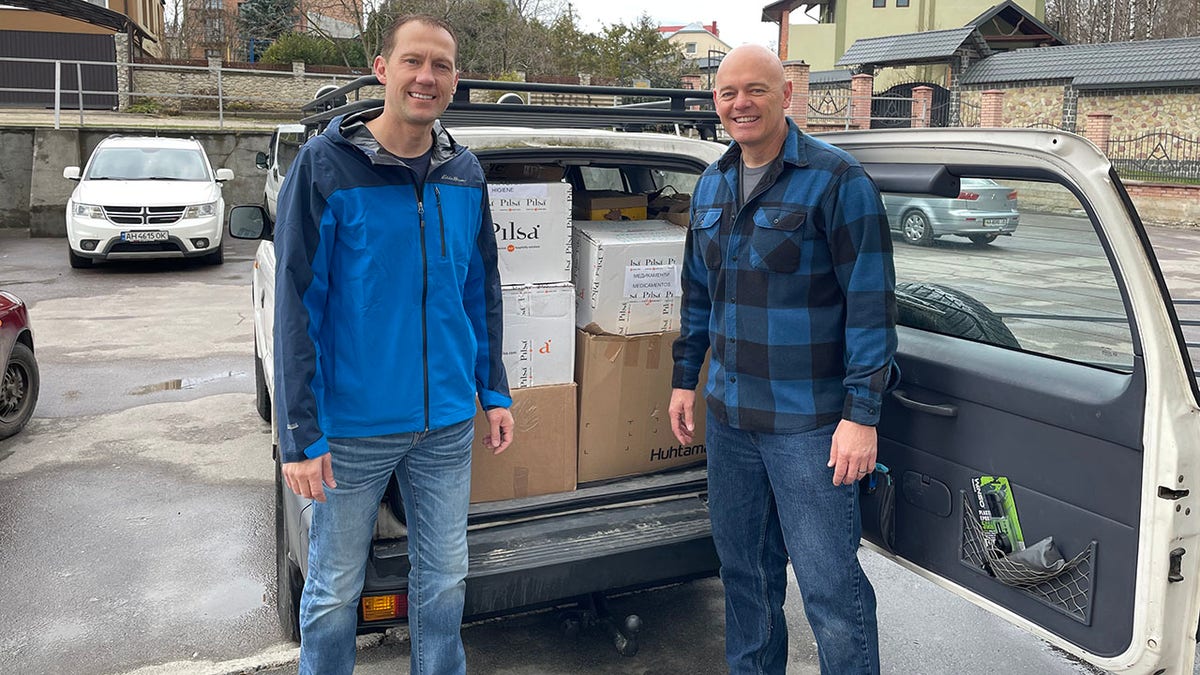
(136, 527)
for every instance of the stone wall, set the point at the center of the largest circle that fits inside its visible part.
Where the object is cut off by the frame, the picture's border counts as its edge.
(1139, 111)
(1025, 106)
(264, 90)
(1156, 203)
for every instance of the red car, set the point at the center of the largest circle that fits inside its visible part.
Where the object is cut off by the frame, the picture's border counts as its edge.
(19, 387)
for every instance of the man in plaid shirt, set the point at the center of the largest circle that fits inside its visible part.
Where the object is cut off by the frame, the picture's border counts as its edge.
(788, 277)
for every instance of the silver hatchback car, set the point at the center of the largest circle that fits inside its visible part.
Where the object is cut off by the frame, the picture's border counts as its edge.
(982, 211)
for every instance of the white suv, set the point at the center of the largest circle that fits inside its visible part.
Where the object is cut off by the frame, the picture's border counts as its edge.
(143, 197)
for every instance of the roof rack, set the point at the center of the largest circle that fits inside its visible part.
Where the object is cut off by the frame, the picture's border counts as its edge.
(674, 107)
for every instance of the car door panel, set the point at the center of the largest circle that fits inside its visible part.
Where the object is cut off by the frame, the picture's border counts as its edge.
(1096, 427)
(1006, 424)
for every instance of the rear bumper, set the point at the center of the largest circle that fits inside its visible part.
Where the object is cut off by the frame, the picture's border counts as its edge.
(517, 566)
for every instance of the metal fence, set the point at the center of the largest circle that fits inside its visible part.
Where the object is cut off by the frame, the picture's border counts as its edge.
(1158, 155)
(829, 106)
(206, 93)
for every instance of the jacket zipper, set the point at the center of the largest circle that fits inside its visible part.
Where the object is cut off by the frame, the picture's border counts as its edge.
(441, 220)
(424, 301)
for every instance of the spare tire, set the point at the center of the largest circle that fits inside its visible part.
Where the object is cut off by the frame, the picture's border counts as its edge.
(949, 311)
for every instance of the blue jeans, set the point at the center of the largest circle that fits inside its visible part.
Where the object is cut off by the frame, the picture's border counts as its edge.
(434, 472)
(771, 496)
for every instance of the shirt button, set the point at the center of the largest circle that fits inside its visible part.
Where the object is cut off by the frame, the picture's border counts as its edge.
(735, 258)
(871, 410)
(733, 378)
(776, 221)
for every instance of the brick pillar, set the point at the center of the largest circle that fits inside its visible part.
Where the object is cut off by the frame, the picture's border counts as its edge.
(991, 109)
(783, 35)
(796, 72)
(298, 69)
(861, 87)
(922, 106)
(1099, 130)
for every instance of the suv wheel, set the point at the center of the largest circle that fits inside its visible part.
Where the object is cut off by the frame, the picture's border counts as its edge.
(77, 261)
(288, 583)
(262, 395)
(18, 390)
(217, 257)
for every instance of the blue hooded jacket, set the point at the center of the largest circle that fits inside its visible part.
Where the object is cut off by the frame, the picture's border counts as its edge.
(387, 298)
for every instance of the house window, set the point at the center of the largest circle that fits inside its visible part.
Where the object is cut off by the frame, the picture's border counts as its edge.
(212, 53)
(690, 48)
(902, 3)
(879, 3)
(213, 4)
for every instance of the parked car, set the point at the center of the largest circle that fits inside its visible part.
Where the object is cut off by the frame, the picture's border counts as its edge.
(20, 383)
(1073, 381)
(144, 197)
(285, 143)
(982, 211)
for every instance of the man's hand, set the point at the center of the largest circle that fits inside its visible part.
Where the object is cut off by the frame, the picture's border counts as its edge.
(308, 477)
(852, 453)
(682, 410)
(501, 420)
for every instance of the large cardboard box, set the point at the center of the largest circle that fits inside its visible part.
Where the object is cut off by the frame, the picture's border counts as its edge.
(624, 391)
(539, 335)
(609, 205)
(627, 276)
(533, 231)
(541, 459)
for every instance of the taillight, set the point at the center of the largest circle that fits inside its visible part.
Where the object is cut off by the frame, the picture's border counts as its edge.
(383, 607)
(968, 196)
(1012, 195)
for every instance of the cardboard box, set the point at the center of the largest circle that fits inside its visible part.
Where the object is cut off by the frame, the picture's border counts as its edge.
(682, 219)
(533, 231)
(627, 276)
(609, 205)
(624, 391)
(541, 459)
(539, 335)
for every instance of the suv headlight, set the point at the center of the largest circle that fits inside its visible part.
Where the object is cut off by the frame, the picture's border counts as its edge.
(201, 210)
(89, 211)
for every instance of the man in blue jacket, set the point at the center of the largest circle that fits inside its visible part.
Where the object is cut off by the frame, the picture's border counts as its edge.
(387, 326)
(788, 278)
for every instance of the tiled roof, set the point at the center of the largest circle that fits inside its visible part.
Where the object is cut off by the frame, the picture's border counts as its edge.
(911, 47)
(1147, 63)
(829, 77)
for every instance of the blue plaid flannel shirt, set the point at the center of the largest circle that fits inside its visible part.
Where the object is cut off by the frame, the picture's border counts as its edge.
(794, 292)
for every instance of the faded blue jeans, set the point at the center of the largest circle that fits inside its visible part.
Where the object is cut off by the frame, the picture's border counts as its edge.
(434, 472)
(771, 496)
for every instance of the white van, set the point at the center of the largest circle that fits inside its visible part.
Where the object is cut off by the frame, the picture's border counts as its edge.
(285, 144)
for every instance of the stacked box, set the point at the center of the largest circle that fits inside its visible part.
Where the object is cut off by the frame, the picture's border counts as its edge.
(539, 335)
(624, 392)
(626, 276)
(541, 459)
(532, 222)
(609, 205)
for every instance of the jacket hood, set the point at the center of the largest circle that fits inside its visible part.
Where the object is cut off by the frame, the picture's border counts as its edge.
(342, 127)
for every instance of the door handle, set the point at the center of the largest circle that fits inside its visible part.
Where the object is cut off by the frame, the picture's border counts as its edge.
(941, 410)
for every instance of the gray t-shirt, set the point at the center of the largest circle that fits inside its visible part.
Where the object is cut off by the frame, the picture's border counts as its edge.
(750, 178)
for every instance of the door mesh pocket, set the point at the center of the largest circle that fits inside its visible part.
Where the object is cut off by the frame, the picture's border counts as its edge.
(1068, 590)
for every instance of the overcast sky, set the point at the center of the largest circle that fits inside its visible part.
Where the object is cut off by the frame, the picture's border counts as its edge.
(737, 23)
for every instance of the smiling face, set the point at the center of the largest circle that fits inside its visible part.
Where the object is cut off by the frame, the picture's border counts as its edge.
(751, 96)
(418, 74)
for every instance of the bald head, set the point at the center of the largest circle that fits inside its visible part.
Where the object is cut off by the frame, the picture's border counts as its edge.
(751, 97)
(756, 57)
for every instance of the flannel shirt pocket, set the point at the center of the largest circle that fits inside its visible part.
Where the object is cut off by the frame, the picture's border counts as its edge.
(706, 237)
(777, 240)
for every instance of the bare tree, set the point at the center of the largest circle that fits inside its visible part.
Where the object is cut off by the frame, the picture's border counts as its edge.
(1090, 21)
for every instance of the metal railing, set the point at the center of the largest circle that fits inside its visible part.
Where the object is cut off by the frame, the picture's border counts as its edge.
(1158, 155)
(211, 98)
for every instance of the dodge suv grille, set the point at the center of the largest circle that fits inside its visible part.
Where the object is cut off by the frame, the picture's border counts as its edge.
(143, 215)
